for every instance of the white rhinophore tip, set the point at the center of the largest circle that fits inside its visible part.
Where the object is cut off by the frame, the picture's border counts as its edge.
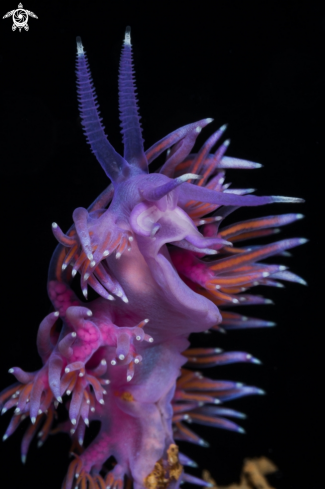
(127, 38)
(54, 225)
(80, 48)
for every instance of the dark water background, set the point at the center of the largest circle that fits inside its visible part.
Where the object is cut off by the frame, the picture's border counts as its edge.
(258, 66)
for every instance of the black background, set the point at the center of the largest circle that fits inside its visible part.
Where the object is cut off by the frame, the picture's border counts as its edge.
(258, 66)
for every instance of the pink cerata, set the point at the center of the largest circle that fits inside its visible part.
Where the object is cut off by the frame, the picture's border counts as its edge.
(155, 249)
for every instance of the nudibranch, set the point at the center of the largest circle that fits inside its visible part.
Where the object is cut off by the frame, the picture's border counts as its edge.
(154, 248)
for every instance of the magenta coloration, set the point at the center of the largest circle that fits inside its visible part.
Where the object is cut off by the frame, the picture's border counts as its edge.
(154, 249)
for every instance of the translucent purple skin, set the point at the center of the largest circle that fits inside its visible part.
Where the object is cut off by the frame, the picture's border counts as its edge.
(140, 245)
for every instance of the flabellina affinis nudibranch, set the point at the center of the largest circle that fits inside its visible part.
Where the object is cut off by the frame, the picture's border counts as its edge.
(155, 249)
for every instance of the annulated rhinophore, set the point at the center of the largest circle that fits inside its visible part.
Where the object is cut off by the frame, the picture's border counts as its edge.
(155, 249)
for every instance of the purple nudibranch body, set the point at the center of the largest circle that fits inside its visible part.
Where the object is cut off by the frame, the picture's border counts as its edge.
(155, 250)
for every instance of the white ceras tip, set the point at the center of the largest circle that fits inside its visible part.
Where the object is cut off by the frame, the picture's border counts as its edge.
(128, 378)
(33, 420)
(150, 340)
(118, 255)
(265, 274)
(86, 420)
(74, 421)
(198, 129)
(74, 272)
(54, 225)
(56, 314)
(113, 362)
(86, 276)
(67, 370)
(138, 338)
(17, 410)
(92, 409)
(89, 313)
(92, 263)
(121, 357)
(103, 362)
(102, 401)
(59, 399)
(136, 360)
(74, 334)
(90, 256)
(4, 437)
(209, 120)
(106, 253)
(64, 266)
(11, 371)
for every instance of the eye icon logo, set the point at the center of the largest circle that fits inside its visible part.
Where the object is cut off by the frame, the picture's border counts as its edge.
(20, 18)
